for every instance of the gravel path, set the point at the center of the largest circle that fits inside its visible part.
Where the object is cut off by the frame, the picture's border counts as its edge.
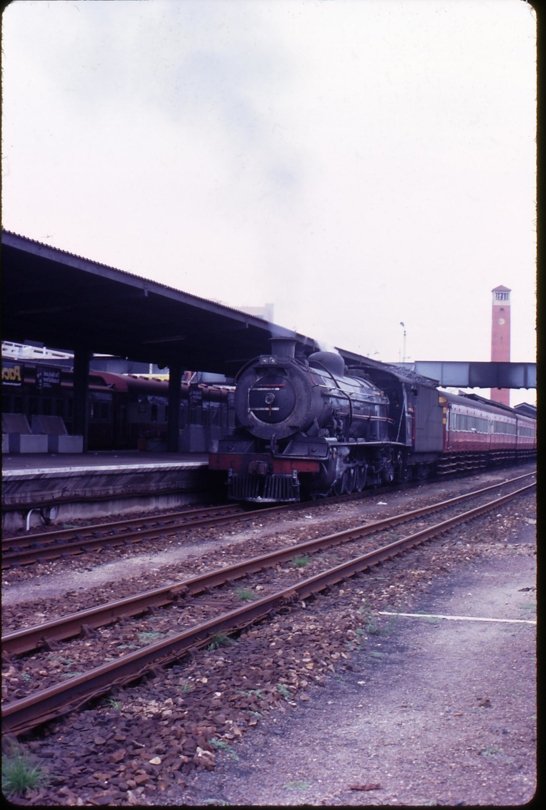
(434, 711)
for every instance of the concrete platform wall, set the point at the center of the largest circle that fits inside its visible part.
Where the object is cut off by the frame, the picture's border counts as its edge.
(61, 495)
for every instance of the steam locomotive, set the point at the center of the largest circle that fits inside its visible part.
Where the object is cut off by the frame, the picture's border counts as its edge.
(309, 426)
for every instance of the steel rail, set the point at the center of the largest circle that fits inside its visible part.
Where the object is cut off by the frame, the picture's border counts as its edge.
(86, 538)
(166, 519)
(112, 525)
(71, 625)
(79, 533)
(27, 713)
(32, 553)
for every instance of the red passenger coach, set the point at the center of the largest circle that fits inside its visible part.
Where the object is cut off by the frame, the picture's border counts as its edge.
(477, 430)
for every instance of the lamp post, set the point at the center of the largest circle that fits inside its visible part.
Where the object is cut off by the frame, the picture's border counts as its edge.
(403, 325)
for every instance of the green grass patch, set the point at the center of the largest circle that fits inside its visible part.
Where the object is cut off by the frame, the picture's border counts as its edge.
(490, 752)
(20, 774)
(252, 693)
(298, 785)
(245, 594)
(370, 624)
(223, 745)
(301, 560)
(283, 690)
(148, 636)
(220, 640)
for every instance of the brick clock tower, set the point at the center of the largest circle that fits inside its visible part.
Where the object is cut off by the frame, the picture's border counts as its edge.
(500, 337)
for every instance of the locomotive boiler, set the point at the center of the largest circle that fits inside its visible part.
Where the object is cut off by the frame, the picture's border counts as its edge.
(305, 427)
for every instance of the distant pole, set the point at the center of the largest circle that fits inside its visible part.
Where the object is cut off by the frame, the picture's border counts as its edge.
(403, 325)
(80, 421)
(173, 419)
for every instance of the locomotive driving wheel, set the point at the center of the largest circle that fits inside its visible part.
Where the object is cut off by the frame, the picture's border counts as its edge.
(361, 474)
(388, 472)
(347, 482)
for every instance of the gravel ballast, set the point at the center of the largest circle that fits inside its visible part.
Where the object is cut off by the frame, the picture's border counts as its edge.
(434, 711)
(333, 702)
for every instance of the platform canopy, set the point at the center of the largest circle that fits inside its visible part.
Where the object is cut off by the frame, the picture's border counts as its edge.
(71, 303)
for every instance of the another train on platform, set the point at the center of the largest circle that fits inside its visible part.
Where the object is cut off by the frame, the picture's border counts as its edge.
(307, 427)
(126, 411)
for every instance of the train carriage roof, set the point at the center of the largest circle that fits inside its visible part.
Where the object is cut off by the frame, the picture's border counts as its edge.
(376, 369)
(478, 403)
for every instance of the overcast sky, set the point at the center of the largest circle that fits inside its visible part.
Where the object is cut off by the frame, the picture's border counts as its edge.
(357, 163)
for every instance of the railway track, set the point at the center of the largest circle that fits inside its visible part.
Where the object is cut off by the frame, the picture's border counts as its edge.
(28, 549)
(26, 713)
(43, 546)
(20, 550)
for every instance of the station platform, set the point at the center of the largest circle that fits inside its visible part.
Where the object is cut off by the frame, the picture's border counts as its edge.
(39, 489)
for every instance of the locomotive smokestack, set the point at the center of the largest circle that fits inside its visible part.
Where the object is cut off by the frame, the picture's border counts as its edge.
(283, 347)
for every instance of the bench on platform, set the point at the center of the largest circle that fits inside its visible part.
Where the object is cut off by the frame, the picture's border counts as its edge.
(58, 438)
(17, 437)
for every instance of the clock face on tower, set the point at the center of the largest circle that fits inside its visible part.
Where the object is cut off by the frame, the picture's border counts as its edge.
(501, 321)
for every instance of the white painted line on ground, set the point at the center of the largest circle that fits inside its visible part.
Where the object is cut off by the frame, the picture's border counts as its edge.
(455, 618)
